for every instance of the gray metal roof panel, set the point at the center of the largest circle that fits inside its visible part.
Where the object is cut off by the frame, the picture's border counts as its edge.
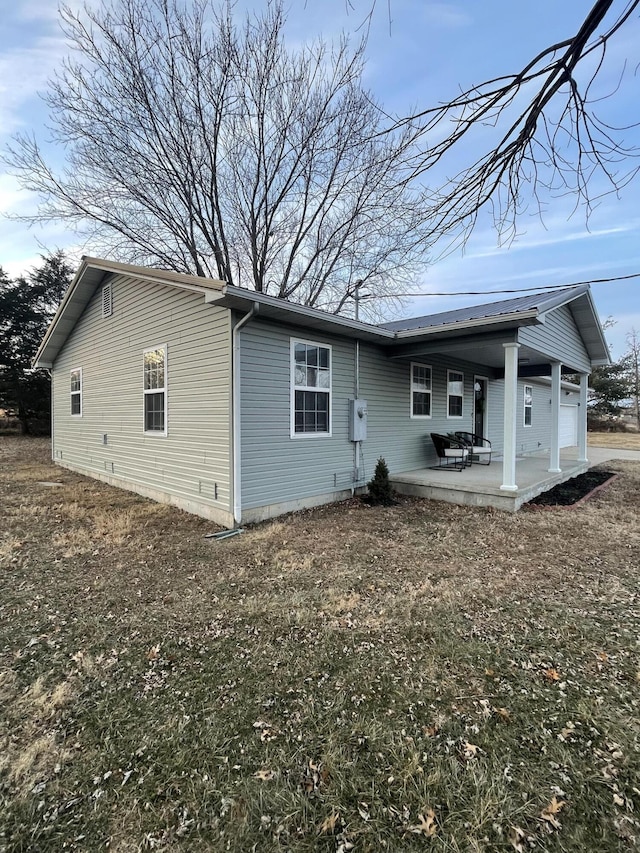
(539, 301)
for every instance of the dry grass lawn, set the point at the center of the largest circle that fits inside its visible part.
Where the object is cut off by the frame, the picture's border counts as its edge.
(617, 440)
(351, 678)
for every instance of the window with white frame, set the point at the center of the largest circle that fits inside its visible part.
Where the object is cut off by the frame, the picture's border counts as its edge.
(155, 390)
(311, 388)
(528, 405)
(420, 391)
(76, 392)
(455, 393)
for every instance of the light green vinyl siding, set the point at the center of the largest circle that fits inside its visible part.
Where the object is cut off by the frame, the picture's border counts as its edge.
(277, 468)
(559, 339)
(192, 461)
(531, 439)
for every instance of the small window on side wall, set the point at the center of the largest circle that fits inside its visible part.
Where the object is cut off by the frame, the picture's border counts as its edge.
(420, 391)
(455, 394)
(76, 392)
(528, 405)
(155, 390)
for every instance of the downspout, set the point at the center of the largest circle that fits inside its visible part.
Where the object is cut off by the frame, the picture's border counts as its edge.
(356, 444)
(53, 428)
(235, 412)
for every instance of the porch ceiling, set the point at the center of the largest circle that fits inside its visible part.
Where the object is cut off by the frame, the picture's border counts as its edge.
(486, 351)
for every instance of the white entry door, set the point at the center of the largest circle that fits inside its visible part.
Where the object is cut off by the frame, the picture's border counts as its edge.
(568, 426)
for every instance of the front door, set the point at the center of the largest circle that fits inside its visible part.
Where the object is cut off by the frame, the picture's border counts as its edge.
(480, 388)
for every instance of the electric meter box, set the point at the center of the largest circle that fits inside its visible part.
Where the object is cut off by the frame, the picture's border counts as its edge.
(357, 420)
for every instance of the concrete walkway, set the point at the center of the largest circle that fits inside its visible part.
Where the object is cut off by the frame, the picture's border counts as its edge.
(598, 455)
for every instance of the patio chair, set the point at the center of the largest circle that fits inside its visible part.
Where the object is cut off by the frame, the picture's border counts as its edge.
(478, 446)
(452, 452)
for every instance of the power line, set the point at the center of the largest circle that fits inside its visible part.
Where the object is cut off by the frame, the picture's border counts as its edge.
(514, 290)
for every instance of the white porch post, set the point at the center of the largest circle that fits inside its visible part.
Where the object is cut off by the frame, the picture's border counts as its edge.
(510, 414)
(554, 455)
(582, 418)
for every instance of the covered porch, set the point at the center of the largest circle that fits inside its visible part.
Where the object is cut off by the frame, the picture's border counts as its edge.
(482, 485)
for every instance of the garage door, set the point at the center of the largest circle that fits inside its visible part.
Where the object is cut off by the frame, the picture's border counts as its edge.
(568, 426)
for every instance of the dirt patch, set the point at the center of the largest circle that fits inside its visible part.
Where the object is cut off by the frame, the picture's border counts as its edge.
(574, 490)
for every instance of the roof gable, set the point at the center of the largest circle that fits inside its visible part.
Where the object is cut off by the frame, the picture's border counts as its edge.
(492, 316)
(90, 275)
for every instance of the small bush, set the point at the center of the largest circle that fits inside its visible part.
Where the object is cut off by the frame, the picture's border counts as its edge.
(380, 491)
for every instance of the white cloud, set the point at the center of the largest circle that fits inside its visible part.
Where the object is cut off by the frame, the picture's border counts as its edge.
(25, 72)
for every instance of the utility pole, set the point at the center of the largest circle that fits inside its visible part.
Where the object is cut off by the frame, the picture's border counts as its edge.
(356, 297)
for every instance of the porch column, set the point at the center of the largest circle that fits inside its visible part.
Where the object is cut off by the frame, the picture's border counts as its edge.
(510, 414)
(582, 418)
(554, 455)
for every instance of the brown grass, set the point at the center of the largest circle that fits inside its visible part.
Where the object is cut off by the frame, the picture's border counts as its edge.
(616, 440)
(375, 664)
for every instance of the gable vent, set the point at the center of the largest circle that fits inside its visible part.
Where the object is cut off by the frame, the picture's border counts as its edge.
(107, 301)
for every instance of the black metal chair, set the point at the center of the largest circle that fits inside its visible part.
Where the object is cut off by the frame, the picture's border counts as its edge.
(478, 446)
(452, 452)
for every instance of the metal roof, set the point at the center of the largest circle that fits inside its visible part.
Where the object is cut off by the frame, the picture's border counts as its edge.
(488, 318)
(538, 302)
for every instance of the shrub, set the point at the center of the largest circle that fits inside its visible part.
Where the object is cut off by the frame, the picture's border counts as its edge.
(380, 491)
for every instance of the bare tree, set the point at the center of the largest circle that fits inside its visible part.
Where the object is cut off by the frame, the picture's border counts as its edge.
(549, 139)
(631, 361)
(208, 147)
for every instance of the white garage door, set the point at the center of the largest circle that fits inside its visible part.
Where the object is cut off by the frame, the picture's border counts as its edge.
(568, 426)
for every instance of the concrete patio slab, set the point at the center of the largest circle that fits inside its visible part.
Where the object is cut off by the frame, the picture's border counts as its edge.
(479, 485)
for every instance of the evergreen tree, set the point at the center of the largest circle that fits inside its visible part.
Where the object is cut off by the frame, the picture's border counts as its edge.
(27, 305)
(380, 491)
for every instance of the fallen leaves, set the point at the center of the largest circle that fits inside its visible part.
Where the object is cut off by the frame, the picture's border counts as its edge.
(153, 653)
(550, 813)
(469, 751)
(265, 775)
(426, 824)
(551, 674)
(329, 824)
(268, 732)
(315, 775)
(517, 838)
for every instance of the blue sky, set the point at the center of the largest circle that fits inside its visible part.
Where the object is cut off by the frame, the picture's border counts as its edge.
(422, 56)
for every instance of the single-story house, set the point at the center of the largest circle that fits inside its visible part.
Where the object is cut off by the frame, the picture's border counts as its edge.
(239, 406)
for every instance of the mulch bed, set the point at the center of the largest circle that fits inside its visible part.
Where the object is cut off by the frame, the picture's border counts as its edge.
(573, 491)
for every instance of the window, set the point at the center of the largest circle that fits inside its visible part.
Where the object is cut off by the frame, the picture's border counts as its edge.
(107, 301)
(76, 392)
(528, 405)
(155, 390)
(420, 391)
(455, 393)
(311, 386)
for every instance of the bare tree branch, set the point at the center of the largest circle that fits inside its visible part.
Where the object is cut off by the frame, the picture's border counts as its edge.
(211, 148)
(550, 138)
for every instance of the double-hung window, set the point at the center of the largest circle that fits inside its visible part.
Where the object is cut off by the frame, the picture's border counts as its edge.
(311, 389)
(420, 391)
(528, 405)
(455, 393)
(76, 392)
(155, 390)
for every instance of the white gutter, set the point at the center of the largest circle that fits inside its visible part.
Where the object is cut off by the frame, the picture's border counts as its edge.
(235, 412)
